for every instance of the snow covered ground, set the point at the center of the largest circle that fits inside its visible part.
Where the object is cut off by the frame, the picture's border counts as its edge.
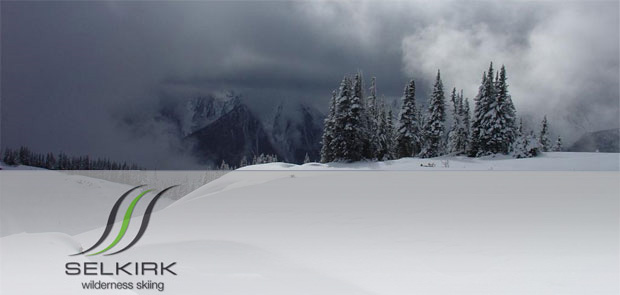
(552, 161)
(39, 200)
(352, 232)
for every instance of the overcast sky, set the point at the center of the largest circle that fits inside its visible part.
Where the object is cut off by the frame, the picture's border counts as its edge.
(71, 70)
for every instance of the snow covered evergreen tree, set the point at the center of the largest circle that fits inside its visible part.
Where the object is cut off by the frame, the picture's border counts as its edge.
(385, 133)
(558, 145)
(327, 144)
(348, 141)
(389, 137)
(307, 159)
(381, 129)
(492, 122)
(408, 135)
(493, 129)
(10, 157)
(505, 117)
(519, 146)
(543, 136)
(263, 159)
(434, 128)
(364, 123)
(533, 147)
(458, 136)
(476, 124)
(373, 114)
(525, 145)
(485, 127)
(466, 116)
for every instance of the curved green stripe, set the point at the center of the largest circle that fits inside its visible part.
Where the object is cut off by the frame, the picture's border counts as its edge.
(125, 223)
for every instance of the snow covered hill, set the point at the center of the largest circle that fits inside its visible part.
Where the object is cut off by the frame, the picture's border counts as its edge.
(361, 232)
(39, 200)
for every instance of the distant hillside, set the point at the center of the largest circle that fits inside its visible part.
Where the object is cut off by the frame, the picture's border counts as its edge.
(607, 141)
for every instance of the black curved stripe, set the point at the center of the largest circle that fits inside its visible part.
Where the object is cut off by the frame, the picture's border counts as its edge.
(145, 221)
(111, 219)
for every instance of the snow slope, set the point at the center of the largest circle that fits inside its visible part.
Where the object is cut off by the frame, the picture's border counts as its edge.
(363, 232)
(39, 200)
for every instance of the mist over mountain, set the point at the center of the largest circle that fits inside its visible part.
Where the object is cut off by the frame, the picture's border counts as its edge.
(606, 141)
(225, 126)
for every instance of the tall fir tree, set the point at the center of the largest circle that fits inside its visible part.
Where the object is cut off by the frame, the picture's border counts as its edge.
(476, 128)
(459, 133)
(519, 146)
(389, 137)
(455, 133)
(349, 137)
(382, 126)
(361, 110)
(485, 128)
(505, 116)
(408, 134)
(434, 128)
(466, 120)
(543, 137)
(327, 145)
(373, 112)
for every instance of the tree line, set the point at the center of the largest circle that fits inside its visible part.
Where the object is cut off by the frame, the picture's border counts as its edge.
(362, 128)
(61, 161)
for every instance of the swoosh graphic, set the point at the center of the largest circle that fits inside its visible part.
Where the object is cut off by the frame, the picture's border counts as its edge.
(110, 223)
(145, 220)
(125, 225)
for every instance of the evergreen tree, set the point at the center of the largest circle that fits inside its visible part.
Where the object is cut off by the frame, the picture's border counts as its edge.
(491, 127)
(373, 121)
(307, 159)
(24, 156)
(50, 161)
(543, 137)
(519, 146)
(381, 128)
(389, 137)
(434, 127)
(458, 136)
(408, 137)
(360, 110)
(534, 147)
(476, 128)
(385, 132)
(466, 121)
(501, 117)
(349, 141)
(485, 126)
(525, 145)
(10, 157)
(373, 107)
(327, 144)
(558, 145)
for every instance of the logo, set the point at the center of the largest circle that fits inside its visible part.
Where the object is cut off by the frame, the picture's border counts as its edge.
(125, 224)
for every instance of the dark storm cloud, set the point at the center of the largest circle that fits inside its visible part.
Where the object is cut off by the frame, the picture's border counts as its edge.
(70, 70)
